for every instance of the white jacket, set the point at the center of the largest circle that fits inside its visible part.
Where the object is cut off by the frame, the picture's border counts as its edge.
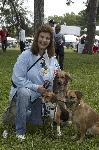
(36, 75)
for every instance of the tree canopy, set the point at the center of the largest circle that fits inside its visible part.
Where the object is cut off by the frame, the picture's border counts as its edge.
(14, 14)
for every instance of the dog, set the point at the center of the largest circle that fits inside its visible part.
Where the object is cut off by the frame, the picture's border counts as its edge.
(60, 83)
(57, 110)
(83, 116)
(60, 86)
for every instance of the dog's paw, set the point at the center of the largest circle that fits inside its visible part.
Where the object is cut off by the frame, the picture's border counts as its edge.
(79, 141)
(74, 137)
(59, 134)
(69, 122)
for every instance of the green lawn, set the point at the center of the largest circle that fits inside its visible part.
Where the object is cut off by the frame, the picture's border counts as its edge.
(84, 70)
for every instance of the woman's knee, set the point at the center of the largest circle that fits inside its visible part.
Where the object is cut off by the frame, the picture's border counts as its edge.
(23, 92)
(23, 97)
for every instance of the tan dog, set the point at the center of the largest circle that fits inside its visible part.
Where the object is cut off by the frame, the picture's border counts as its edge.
(60, 86)
(83, 116)
(60, 83)
(59, 112)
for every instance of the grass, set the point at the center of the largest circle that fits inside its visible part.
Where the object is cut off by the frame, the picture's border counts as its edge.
(84, 70)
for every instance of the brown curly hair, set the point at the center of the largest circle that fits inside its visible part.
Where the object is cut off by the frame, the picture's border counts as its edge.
(50, 49)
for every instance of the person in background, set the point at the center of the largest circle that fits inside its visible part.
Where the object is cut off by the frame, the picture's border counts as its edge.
(77, 43)
(22, 39)
(59, 40)
(28, 83)
(82, 43)
(3, 36)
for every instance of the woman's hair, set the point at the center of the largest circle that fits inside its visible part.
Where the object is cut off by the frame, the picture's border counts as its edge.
(50, 49)
(57, 28)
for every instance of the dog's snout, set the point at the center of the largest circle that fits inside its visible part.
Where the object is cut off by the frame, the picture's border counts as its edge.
(59, 83)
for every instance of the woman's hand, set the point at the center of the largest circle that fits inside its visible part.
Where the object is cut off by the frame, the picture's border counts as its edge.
(41, 89)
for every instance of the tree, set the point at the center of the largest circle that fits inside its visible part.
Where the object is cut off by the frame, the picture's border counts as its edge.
(14, 14)
(91, 24)
(92, 6)
(38, 13)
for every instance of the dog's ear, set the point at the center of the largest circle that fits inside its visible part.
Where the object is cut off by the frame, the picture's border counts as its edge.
(45, 93)
(67, 77)
(78, 94)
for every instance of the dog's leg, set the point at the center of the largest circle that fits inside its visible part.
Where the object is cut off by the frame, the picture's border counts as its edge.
(58, 130)
(52, 124)
(57, 119)
(82, 132)
(70, 118)
(94, 130)
(76, 130)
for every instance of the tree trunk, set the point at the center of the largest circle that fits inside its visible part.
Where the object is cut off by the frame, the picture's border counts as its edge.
(91, 25)
(38, 13)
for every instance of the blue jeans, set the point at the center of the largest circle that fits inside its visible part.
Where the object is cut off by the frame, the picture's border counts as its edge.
(27, 111)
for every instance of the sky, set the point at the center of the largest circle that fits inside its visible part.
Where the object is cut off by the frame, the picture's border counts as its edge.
(59, 7)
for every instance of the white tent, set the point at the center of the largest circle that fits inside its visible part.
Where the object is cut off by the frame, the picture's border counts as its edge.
(70, 38)
(70, 30)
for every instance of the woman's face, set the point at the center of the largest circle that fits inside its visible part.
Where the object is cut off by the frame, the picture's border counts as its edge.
(43, 40)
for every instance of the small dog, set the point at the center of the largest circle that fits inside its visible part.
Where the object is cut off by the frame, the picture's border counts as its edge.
(60, 83)
(57, 110)
(83, 116)
(60, 86)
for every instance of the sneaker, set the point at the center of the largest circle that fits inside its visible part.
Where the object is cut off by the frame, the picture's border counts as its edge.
(20, 137)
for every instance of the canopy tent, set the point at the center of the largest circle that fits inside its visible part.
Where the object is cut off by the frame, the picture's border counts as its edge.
(70, 38)
(70, 30)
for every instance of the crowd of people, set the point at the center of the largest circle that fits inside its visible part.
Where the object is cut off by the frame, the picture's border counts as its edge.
(4, 42)
(81, 45)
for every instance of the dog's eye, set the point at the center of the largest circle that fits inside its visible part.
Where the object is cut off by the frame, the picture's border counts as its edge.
(62, 77)
(66, 96)
(47, 97)
(71, 97)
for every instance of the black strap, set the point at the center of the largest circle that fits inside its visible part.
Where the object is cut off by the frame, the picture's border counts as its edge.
(13, 84)
(29, 69)
(35, 62)
(46, 84)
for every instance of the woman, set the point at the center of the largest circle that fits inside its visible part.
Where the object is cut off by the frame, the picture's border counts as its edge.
(28, 82)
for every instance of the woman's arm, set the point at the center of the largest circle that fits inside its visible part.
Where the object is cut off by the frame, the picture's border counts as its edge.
(19, 76)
